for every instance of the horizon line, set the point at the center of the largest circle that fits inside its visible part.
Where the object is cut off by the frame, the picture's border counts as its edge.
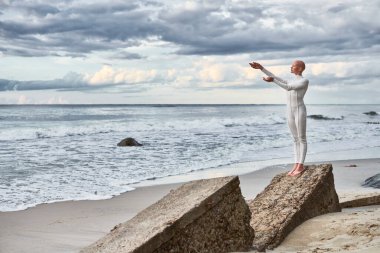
(169, 104)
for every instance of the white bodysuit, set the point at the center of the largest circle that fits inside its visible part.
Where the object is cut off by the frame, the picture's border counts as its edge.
(296, 111)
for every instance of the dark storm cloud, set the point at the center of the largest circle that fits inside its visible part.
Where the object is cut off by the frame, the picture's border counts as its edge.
(75, 82)
(69, 81)
(63, 84)
(40, 10)
(126, 55)
(74, 30)
(337, 8)
(204, 28)
(305, 30)
(11, 85)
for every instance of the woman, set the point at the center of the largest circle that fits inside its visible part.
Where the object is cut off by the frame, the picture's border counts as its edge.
(296, 109)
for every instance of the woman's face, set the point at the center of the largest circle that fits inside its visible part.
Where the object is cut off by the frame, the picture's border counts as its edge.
(296, 68)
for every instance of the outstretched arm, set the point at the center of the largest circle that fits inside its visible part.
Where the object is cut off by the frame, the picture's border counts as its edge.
(267, 72)
(257, 65)
(294, 85)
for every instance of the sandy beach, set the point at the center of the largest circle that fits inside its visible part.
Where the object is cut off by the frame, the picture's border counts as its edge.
(352, 230)
(70, 225)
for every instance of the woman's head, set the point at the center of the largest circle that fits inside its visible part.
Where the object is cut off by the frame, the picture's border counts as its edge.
(297, 67)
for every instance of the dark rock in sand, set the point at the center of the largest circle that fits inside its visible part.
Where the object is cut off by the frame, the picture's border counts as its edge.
(371, 113)
(288, 201)
(319, 116)
(373, 181)
(373, 122)
(128, 142)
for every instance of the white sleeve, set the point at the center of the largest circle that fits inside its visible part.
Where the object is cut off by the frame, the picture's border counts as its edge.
(267, 72)
(294, 85)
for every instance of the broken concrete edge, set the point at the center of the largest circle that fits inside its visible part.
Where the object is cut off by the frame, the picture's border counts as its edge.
(223, 228)
(154, 240)
(300, 217)
(157, 240)
(321, 184)
(364, 201)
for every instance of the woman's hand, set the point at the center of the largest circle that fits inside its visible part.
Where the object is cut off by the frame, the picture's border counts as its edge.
(256, 65)
(268, 79)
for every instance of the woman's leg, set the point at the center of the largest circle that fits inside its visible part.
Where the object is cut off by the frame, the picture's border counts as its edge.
(293, 130)
(301, 129)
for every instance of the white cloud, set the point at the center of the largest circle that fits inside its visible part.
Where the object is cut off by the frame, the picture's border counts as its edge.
(344, 69)
(32, 99)
(337, 69)
(213, 73)
(22, 99)
(55, 100)
(171, 74)
(109, 75)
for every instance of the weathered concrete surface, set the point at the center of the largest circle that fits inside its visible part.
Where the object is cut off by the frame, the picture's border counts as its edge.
(288, 201)
(372, 199)
(208, 215)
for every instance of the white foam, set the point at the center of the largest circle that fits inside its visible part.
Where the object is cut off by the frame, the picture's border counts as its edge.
(44, 162)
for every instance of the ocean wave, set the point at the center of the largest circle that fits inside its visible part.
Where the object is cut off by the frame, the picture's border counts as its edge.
(83, 184)
(19, 134)
(371, 113)
(254, 121)
(322, 117)
(83, 168)
(54, 118)
(65, 129)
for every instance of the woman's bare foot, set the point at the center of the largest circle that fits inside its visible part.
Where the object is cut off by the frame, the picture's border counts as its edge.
(294, 167)
(300, 168)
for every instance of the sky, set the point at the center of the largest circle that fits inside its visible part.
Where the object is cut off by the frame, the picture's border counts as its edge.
(186, 52)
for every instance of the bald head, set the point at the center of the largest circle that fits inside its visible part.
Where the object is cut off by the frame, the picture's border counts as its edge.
(299, 63)
(298, 67)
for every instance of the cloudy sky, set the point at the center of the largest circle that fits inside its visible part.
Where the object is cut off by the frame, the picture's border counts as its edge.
(147, 51)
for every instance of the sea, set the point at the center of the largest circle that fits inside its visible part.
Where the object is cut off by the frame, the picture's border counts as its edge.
(51, 153)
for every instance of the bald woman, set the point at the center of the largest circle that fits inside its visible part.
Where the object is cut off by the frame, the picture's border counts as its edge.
(296, 109)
